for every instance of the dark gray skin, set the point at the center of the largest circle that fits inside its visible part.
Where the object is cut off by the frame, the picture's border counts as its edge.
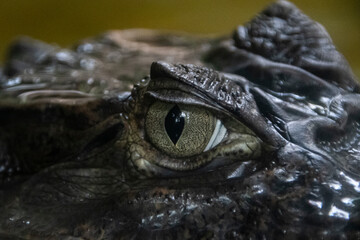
(69, 127)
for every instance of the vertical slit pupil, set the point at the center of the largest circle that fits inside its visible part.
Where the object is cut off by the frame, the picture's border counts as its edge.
(174, 124)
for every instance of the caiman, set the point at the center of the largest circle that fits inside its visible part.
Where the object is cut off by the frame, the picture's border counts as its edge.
(143, 134)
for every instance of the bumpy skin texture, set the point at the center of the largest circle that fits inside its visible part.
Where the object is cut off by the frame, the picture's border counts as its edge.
(75, 162)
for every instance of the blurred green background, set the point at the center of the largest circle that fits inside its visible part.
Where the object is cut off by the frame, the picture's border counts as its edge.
(65, 21)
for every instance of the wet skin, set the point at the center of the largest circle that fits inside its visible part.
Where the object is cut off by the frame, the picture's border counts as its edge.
(252, 136)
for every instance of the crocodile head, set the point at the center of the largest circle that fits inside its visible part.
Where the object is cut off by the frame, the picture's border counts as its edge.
(254, 136)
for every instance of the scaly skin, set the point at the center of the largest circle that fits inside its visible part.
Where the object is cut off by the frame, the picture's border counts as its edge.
(76, 161)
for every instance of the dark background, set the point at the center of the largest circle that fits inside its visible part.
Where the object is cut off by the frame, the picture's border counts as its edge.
(65, 21)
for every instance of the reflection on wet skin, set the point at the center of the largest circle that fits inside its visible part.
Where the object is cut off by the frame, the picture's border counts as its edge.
(140, 134)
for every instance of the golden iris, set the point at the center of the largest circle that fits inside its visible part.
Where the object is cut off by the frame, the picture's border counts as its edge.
(179, 130)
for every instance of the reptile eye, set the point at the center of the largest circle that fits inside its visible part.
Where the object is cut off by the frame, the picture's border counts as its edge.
(182, 130)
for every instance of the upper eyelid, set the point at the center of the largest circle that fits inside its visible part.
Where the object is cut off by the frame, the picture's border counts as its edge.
(163, 86)
(179, 97)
